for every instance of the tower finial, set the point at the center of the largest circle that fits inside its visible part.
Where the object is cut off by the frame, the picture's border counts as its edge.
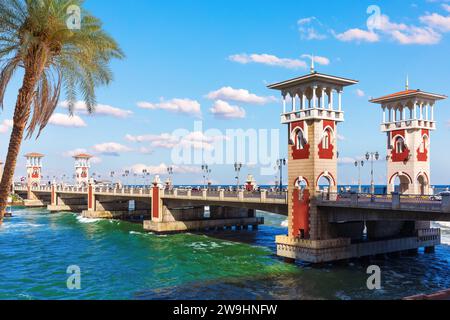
(407, 82)
(312, 64)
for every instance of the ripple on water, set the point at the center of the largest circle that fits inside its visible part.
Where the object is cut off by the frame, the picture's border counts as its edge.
(119, 260)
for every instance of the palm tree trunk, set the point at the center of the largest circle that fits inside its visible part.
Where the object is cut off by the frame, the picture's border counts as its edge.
(33, 72)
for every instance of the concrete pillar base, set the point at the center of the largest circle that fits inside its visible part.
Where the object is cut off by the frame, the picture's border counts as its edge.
(199, 225)
(61, 208)
(318, 251)
(119, 215)
(34, 203)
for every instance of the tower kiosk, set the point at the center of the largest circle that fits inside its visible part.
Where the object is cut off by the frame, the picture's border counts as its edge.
(408, 120)
(82, 166)
(34, 169)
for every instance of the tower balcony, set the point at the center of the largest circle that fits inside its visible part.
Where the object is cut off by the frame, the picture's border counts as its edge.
(408, 124)
(312, 114)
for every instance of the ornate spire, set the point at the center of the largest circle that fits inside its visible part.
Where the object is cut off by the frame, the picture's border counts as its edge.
(407, 82)
(312, 64)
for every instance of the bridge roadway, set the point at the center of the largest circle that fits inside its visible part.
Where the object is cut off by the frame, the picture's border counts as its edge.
(274, 202)
(395, 207)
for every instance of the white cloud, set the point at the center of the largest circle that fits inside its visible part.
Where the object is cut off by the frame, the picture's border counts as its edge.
(195, 139)
(446, 7)
(186, 106)
(318, 59)
(437, 21)
(269, 60)
(224, 110)
(240, 95)
(311, 28)
(111, 148)
(100, 109)
(6, 125)
(72, 153)
(65, 120)
(340, 137)
(358, 35)
(145, 150)
(162, 169)
(399, 32)
(360, 93)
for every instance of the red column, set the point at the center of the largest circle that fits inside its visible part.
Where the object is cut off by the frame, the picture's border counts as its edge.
(53, 196)
(300, 213)
(156, 202)
(91, 198)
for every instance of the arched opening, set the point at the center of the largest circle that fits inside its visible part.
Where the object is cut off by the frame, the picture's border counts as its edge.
(399, 145)
(301, 183)
(423, 184)
(324, 183)
(301, 141)
(401, 183)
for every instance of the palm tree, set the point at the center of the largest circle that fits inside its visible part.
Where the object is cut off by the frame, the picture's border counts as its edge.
(37, 36)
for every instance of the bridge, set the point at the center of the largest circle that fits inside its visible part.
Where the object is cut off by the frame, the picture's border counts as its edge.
(322, 226)
(174, 209)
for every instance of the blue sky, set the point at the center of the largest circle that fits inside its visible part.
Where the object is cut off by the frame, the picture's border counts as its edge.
(180, 52)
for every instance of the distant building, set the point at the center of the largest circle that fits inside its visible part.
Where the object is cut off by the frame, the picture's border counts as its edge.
(82, 165)
(34, 169)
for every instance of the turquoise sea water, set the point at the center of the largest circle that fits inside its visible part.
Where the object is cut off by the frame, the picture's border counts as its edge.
(118, 260)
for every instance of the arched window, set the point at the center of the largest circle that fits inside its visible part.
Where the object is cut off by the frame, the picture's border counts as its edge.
(424, 144)
(399, 145)
(301, 142)
(326, 140)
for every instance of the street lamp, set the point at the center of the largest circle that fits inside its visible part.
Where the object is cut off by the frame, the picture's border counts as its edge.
(280, 164)
(170, 173)
(372, 156)
(206, 171)
(359, 165)
(237, 168)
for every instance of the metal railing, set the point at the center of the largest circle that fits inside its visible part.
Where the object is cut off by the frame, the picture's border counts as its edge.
(394, 201)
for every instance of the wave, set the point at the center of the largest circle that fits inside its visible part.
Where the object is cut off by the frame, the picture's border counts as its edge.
(285, 223)
(82, 219)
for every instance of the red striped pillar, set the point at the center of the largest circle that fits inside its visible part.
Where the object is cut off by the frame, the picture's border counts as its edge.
(91, 197)
(300, 213)
(156, 203)
(53, 196)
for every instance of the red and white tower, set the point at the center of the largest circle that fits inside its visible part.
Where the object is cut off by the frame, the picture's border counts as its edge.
(82, 166)
(312, 121)
(408, 119)
(34, 169)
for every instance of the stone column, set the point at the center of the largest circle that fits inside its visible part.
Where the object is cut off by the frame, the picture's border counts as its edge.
(322, 98)
(304, 100)
(330, 106)
(314, 97)
(293, 95)
(340, 100)
(384, 114)
(284, 102)
(432, 112)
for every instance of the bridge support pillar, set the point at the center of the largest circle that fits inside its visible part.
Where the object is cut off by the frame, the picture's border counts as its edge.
(91, 197)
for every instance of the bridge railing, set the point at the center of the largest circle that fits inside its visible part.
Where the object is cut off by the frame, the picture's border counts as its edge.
(394, 201)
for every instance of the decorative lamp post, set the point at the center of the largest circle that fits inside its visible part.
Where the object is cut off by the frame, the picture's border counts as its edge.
(280, 164)
(237, 168)
(372, 156)
(359, 165)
